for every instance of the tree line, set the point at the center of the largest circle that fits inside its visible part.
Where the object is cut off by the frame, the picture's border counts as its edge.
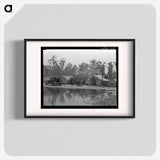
(59, 67)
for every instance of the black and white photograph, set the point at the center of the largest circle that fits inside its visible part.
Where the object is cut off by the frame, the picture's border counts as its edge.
(79, 77)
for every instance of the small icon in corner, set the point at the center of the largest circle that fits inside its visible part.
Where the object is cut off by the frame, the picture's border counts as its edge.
(8, 8)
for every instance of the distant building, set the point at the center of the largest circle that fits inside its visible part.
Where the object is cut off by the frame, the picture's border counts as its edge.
(98, 80)
(66, 79)
(54, 80)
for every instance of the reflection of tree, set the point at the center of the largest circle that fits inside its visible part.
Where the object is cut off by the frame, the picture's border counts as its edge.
(54, 95)
(68, 94)
(59, 96)
(47, 97)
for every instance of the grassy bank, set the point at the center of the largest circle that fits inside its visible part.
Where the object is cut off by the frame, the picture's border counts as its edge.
(81, 87)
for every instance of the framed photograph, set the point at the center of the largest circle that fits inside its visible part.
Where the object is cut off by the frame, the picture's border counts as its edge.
(92, 78)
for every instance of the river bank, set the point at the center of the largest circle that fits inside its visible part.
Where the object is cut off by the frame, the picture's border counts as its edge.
(81, 87)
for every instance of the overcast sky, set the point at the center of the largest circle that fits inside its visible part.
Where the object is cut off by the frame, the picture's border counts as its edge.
(76, 56)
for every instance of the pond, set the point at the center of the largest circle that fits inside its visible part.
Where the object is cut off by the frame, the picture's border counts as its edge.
(80, 97)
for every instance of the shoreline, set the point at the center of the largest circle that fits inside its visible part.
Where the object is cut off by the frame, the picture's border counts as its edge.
(81, 87)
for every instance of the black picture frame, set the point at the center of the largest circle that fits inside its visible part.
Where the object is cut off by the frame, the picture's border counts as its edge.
(77, 106)
(25, 76)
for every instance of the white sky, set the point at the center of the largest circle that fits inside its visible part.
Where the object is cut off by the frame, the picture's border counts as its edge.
(76, 56)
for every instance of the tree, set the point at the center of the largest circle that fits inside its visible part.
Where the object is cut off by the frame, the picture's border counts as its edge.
(68, 69)
(74, 70)
(83, 72)
(56, 70)
(62, 63)
(53, 60)
(93, 64)
(83, 67)
(115, 70)
(101, 69)
(110, 74)
(57, 66)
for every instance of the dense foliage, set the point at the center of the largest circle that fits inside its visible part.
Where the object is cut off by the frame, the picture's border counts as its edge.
(59, 67)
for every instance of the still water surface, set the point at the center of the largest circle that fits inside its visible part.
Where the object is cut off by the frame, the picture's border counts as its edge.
(67, 96)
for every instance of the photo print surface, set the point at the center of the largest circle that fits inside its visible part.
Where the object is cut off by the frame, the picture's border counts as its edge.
(79, 77)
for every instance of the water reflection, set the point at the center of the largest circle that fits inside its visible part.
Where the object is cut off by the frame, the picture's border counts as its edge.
(65, 96)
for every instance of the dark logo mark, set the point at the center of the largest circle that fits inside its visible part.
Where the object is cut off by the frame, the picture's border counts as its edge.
(8, 8)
